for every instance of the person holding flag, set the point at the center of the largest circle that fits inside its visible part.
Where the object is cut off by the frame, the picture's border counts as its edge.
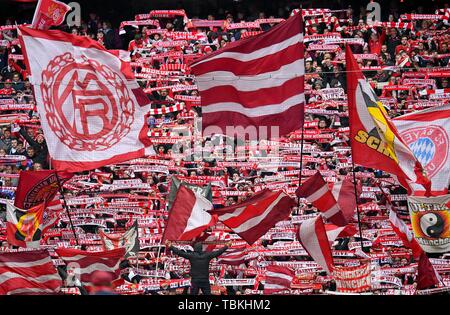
(199, 261)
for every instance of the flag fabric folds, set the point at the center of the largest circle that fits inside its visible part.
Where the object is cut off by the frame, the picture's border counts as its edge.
(426, 274)
(255, 82)
(252, 218)
(334, 231)
(278, 278)
(427, 133)
(313, 237)
(344, 193)
(49, 13)
(403, 232)
(129, 240)
(188, 217)
(36, 187)
(92, 110)
(175, 185)
(83, 264)
(375, 141)
(316, 191)
(24, 227)
(28, 272)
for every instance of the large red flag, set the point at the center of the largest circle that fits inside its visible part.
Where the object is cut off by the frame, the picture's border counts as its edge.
(316, 191)
(313, 237)
(92, 110)
(426, 275)
(252, 218)
(344, 193)
(278, 278)
(375, 141)
(83, 264)
(255, 83)
(30, 272)
(188, 217)
(36, 187)
(49, 13)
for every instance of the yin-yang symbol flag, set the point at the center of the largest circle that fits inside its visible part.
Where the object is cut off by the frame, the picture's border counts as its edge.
(430, 221)
(92, 110)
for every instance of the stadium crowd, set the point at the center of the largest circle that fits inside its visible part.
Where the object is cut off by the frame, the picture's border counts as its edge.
(161, 45)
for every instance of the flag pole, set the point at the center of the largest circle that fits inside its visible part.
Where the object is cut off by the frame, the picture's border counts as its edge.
(357, 202)
(65, 206)
(303, 128)
(301, 162)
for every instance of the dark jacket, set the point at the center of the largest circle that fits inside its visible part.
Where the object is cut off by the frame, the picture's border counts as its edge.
(41, 150)
(199, 260)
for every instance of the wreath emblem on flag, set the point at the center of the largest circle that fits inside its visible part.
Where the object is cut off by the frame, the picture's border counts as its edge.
(430, 146)
(88, 106)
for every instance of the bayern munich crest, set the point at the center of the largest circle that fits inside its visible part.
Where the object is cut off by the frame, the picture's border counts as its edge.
(430, 146)
(87, 104)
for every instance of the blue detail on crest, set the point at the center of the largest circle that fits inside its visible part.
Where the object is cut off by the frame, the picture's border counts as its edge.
(424, 150)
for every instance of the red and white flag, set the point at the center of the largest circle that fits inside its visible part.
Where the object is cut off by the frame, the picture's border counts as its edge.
(252, 218)
(83, 264)
(49, 13)
(278, 278)
(28, 272)
(92, 110)
(403, 232)
(334, 231)
(256, 82)
(313, 237)
(375, 141)
(427, 133)
(316, 191)
(188, 217)
(427, 276)
(344, 193)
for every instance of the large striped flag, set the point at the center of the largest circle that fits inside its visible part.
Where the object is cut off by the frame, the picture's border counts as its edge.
(93, 111)
(316, 191)
(188, 217)
(255, 83)
(427, 133)
(344, 193)
(278, 278)
(28, 272)
(375, 141)
(83, 264)
(313, 237)
(252, 218)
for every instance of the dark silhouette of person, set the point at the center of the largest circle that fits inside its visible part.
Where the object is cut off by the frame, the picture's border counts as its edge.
(199, 261)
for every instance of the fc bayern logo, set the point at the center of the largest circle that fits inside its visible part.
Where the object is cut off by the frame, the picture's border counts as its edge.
(87, 104)
(430, 146)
